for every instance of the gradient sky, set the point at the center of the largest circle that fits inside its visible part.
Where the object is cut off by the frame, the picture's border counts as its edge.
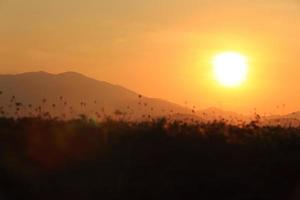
(161, 48)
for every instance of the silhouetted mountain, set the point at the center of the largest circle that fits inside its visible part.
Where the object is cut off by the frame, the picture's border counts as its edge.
(292, 119)
(75, 93)
(219, 114)
(70, 94)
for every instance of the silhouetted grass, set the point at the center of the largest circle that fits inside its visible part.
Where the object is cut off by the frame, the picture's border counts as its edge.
(84, 159)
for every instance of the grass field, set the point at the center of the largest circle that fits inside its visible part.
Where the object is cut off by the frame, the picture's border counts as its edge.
(84, 159)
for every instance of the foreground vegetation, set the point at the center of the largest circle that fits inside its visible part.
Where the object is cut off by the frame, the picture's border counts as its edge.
(81, 159)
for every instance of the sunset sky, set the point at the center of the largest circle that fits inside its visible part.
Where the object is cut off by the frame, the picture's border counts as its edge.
(162, 48)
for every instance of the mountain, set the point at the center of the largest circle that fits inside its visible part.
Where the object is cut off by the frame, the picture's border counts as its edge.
(70, 94)
(294, 115)
(219, 114)
(292, 119)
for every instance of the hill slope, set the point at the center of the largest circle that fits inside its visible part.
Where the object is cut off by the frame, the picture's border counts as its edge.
(71, 93)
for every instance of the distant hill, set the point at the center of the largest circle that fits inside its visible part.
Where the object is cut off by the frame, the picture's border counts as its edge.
(71, 93)
(216, 113)
(292, 119)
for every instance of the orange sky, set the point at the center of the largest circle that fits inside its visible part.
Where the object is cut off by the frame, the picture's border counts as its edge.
(161, 48)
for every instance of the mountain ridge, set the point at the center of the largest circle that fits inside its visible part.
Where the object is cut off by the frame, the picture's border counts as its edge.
(77, 89)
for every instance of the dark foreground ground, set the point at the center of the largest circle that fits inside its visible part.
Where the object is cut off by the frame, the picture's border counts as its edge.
(82, 160)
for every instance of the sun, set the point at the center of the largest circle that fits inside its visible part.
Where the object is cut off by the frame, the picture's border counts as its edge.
(230, 68)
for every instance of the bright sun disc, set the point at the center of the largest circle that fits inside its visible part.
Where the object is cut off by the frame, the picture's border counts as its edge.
(230, 68)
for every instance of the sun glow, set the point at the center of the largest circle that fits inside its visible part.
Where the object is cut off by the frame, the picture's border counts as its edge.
(230, 68)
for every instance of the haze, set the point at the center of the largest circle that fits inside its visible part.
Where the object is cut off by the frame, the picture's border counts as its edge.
(161, 48)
